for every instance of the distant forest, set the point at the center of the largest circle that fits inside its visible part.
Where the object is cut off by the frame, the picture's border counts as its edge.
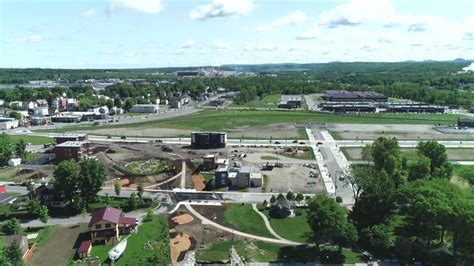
(430, 82)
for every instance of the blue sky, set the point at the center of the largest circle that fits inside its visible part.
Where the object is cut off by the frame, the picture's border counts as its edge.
(154, 33)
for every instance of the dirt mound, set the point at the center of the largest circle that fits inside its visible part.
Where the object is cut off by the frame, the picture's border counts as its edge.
(198, 182)
(182, 219)
(179, 244)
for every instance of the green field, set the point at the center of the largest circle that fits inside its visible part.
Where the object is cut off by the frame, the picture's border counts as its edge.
(135, 254)
(257, 251)
(292, 228)
(464, 172)
(267, 101)
(34, 140)
(44, 234)
(211, 120)
(245, 219)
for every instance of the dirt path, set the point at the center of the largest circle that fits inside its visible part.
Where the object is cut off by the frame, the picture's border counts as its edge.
(59, 248)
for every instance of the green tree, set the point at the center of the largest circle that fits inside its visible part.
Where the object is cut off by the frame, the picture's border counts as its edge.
(133, 201)
(117, 188)
(140, 190)
(20, 149)
(367, 153)
(13, 254)
(387, 156)
(329, 223)
(280, 196)
(11, 227)
(6, 149)
(462, 227)
(91, 177)
(43, 214)
(128, 104)
(15, 115)
(66, 178)
(440, 167)
(290, 195)
(299, 197)
(272, 199)
(419, 168)
(380, 237)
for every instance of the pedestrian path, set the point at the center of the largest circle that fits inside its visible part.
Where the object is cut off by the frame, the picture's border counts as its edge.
(232, 231)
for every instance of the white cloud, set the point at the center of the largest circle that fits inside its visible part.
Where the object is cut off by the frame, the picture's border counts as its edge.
(221, 45)
(189, 43)
(310, 34)
(30, 39)
(221, 8)
(88, 13)
(144, 6)
(295, 18)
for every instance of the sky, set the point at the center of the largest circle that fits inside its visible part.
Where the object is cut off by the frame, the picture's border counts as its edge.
(163, 33)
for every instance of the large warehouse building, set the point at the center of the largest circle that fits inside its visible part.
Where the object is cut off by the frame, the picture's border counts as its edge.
(208, 140)
(353, 96)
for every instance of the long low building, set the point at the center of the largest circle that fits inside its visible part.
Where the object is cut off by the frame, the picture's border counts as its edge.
(414, 108)
(8, 123)
(145, 108)
(353, 96)
(348, 107)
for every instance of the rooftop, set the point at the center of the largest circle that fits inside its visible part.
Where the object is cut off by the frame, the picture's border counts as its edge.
(72, 135)
(72, 144)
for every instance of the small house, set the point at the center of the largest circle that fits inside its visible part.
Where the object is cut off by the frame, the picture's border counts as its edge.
(84, 249)
(107, 224)
(283, 208)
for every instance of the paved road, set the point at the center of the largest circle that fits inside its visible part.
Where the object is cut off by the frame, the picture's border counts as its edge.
(232, 231)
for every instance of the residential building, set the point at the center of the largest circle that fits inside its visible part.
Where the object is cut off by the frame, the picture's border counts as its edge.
(46, 195)
(145, 108)
(41, 111)
(84, 249)
(16, 104)
(42, 103)
(237, 176)
(283, 208)
(208, 140)
(107, 224)
(29, 105)
(75, 150)
(221, 176)
(14, 161)
(96, 109)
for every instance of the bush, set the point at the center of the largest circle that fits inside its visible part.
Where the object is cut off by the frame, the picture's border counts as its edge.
(338, 199)
(298, 212)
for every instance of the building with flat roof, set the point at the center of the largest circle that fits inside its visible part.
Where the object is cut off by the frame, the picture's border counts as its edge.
(353, 96)
(346, 107)
(465, 122)
(208, 140)
(415, 108)
(70, 137)
(145, 108)
(75, 150)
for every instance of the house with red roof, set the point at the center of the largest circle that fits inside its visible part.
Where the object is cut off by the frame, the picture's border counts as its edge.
(107, 224)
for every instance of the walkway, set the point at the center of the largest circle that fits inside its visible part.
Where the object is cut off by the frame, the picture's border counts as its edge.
(268, 225)
(232, 231)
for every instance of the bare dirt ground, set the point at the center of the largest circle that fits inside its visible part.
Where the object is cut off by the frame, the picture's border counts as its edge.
(183, 219)
(59, 249)
(453, 154)
(180, 243)
(201, 236)
(198, 182)
(405, 132)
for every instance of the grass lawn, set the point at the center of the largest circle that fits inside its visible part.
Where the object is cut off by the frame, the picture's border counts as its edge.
(245, 219)
(269, 158)
(34, 140)
(155, 230)
(44, 234)
(207, 176)
(212, 120)
(268, 101)
(464, 172)
(257, 251)
(292, 228)
(302, 134)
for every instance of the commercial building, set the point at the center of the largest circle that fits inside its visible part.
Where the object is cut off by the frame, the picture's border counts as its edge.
(465, 122)
(414, 108)
(209, 162)
(66, 118)
(237, 176)
(145, 108)
(8, 123)
(353, 96)
(71, 137)
(208, 140)
(290, 101)
(75, 150)
(345, 107)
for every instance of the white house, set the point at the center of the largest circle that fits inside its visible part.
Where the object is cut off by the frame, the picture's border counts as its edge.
(41, 111)
(16, 104)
